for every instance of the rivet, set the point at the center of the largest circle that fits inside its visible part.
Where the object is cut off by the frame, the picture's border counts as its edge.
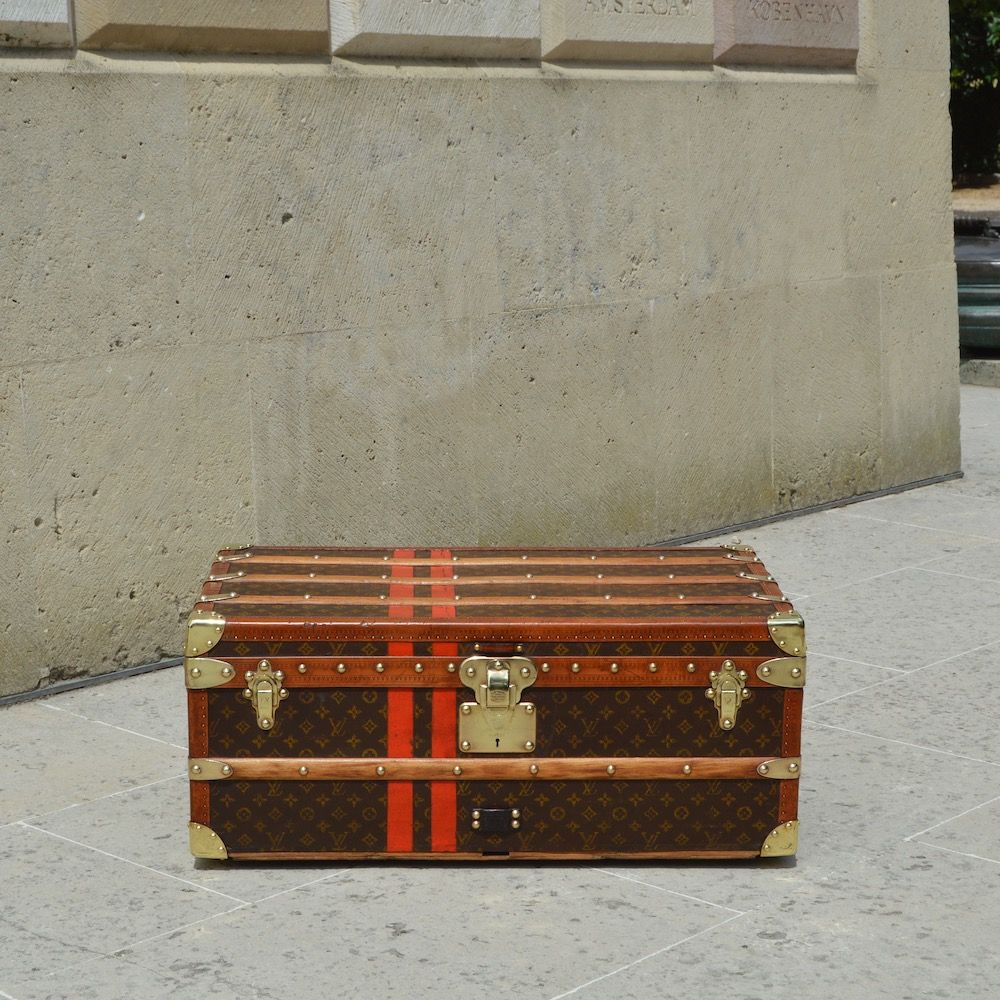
(575, 668)
(515, 824)
(796, 671)
(607, 597)
(341, 669)
(528, 745)
(317, 557)
(614, 668)
(379, 667)
(600, 576)
(380, 770)
(515, 814)
(280, 674)
(476, 814)
(265, 723)
(247, 694)
(533, 597)
(686, 768)
(795, 649)
(302, 668)
(691, 668)
(765, 671)
(742, 675)
(680, 597)
(611, 768)
(652, 668)
(477, 647)
(788, 826)
(303, 770)
(475, 824)
(727, 723)
(527, 576)
(227, 770)
(763, 769)
(470, 671)
(451, 668)
(466, 710)
(525, 558)
(593, 558)
(525, 671)
(670, 576)
(746, 693)
(454, 558)
(384, 558)
(466, 745)
(385, 576)
(458, 597)
(545, 668)
(227, 671)
(283, 693)
(196, 671)
(381, 597)
(312, 576)
(454, 576)
(533, 769)
(519, 648)
(793, 767)
(196, 768)
(305, 597)
(419, 667)
(529, 708)
(456, 770)
(662, 558)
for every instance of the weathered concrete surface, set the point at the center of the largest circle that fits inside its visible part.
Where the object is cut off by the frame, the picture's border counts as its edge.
(289, 26)
(628, 30)
(35, 24)
(783, 33)
(457, 29)
(296, 302)
(981, 371)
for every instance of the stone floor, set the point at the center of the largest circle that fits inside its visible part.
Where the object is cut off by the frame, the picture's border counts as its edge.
(895, 893)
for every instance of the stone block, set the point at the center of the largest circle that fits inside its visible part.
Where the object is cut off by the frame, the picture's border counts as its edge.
(278, 26)
(35, 24)
(139, 473)
(627, 30)
(452, 29)
(787, 32)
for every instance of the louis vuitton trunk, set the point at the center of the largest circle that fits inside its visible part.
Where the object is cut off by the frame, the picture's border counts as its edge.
(493, 704)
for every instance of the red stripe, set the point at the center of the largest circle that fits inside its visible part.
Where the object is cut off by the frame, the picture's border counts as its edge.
(399, 794)
(444, 720)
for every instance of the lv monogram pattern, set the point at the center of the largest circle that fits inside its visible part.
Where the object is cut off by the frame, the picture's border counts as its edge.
(625, 816)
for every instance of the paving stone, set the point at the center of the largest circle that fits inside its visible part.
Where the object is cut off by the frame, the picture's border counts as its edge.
(931, 707)
(64, 904)
(459, 29)
(149, 826)
(974, 833)
(62, 760)
(628, 30)
(783, 33)
(832, 677)
(430, 932)
(939, 507)
(980, 563)
(904, 619)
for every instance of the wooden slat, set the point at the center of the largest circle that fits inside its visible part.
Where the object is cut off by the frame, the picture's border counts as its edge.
(494, 858)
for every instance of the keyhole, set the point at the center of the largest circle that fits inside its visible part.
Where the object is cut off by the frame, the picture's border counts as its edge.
(498, 743)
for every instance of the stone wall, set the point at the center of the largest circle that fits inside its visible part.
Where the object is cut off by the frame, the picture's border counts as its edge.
(301, 298)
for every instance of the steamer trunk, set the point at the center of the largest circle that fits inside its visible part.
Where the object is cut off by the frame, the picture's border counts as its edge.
(493, 704)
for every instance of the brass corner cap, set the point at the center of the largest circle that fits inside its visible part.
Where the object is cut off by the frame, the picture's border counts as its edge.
(788, 632)
(782, 841)
(204, 630)
(205, 843)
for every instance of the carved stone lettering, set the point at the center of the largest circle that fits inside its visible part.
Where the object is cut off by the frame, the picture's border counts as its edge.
(787, 32)
(627, 30)
(454, 29)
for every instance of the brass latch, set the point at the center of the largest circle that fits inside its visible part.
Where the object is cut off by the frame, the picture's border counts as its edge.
(728, 691)
(497, 721)
(264, 692)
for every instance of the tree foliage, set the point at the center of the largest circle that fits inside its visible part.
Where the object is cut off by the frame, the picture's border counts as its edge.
(975, 86)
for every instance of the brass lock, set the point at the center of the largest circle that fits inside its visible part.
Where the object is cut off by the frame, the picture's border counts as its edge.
(264, 692)
(728, 691)
(497, 721)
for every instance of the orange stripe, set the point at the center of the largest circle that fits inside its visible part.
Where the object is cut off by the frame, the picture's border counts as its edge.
(444, 721)
(399, 794)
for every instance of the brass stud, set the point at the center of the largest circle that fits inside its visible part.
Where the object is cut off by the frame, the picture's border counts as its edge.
(227, 672)
(529, 708)
(593, 558)
(519, 648)
(575, 668)
(451, 668)
(614, 668)
(527, 576)
(317, 557)
(303, 770)
(691, 668)
(196, 768)
(727, 723)
(476, 814)
(528, 745)
(524, 558)
(470, 671)
(600, 576)
(533, 597)
(419, 667)
(454, 576)
(265, 723)
(248, 694)
(302, 668)
(384, 558)
(476, 647)
(381, 597)
(607, 597)
(742, 675)
(525, 671)
(763, 769)
(283, 693)
(515, 814)
(454, 558)
(533, 769)
(680, 597)
(305, 597)
(670, 576)
(380, 667)
(227, 770)
(312, 576)
(796, 671)
(793, 767)
(466, 745)
(475, 824)
(686, 768)
(611, 769)
(280, 674)
(662, 558)
(341, 669)
(196, 671)
(515, 824)
(466, 710)
(380, 770)
(456, 770)
(652, 668)
(765, 671)
(545, 668)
